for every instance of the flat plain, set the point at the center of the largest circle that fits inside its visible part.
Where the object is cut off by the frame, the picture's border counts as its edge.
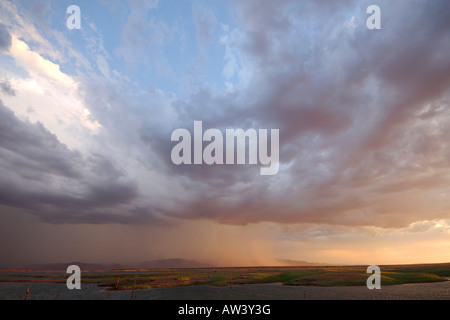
(427, 281)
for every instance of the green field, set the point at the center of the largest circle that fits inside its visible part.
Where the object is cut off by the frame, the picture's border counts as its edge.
(221, 277)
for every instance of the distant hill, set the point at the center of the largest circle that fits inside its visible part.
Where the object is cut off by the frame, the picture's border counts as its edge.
(172, 263)
(296, 263)
(63, 266)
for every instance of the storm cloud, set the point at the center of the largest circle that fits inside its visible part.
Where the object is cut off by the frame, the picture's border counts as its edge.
(363, 119)
(55, 183)
(5, 38)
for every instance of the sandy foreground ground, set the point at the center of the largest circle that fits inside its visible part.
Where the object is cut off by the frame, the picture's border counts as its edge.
(52, 291)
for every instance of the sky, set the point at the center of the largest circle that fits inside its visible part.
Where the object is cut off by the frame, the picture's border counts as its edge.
(86, 117)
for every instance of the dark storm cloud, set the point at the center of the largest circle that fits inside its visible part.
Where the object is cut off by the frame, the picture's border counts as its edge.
(411, 64)
(5, 38)
(347, 101)
(349, 95)
(5, 87)
(55, 183)
(33, 149)
(363, 120)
